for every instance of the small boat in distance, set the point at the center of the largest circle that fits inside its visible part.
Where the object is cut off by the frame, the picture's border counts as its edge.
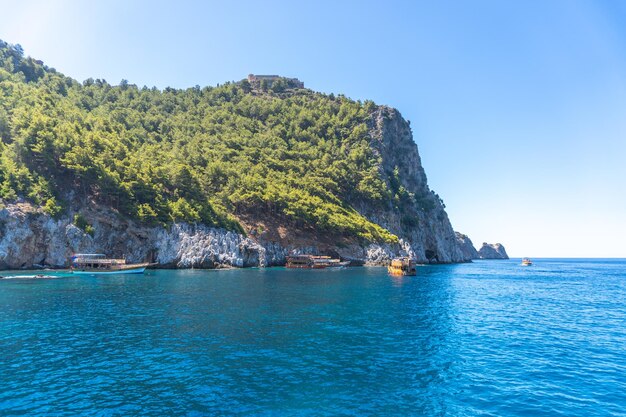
(402, 267)
(314, 262)
(526, 262)
(99, 264)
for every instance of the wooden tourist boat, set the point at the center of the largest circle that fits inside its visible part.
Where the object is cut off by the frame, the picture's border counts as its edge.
(402, 267)
(526, 262)
(99, 264)
(314, 262)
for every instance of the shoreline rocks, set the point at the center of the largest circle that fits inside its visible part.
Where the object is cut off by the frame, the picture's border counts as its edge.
(31, 239)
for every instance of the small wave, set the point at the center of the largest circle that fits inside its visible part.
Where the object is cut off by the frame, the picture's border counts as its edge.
(38, 276)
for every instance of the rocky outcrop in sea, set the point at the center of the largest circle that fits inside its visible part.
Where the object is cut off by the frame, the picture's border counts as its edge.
(492, 251)
(466, 245)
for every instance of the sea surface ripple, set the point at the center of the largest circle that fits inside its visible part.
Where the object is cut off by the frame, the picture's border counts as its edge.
(490, 338)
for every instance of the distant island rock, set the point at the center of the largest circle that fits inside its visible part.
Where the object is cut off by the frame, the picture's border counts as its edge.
(466, 246)
(492, 251)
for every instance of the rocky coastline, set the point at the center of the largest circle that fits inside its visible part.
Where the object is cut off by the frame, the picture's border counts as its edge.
(30, 238)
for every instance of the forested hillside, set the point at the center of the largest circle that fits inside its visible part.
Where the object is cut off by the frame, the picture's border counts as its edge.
(213, 155)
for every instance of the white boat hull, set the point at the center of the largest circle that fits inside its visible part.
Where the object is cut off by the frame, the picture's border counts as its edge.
(119, 272)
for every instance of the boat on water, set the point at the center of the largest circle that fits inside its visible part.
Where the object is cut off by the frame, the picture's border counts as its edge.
(99, 264)
(402, 267)
(526, 262)
(315, 262)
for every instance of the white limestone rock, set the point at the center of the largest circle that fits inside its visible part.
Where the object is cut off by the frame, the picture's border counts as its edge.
(492, 251)
(467, 247)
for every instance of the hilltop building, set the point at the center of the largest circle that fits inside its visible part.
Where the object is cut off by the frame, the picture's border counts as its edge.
(269, 79)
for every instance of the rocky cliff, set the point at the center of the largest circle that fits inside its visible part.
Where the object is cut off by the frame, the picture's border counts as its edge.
(492, 251)
(31, 238)
(466, 245)
(421, 221)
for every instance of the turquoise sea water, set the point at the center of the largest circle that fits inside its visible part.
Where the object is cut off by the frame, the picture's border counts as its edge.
(490, 338)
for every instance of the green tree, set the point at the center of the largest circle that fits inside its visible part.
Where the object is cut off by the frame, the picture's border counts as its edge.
(216, 155)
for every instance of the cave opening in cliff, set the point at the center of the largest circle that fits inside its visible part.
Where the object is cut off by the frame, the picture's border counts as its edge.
(431, 255)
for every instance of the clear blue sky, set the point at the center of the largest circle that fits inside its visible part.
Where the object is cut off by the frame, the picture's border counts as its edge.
(518, 107)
